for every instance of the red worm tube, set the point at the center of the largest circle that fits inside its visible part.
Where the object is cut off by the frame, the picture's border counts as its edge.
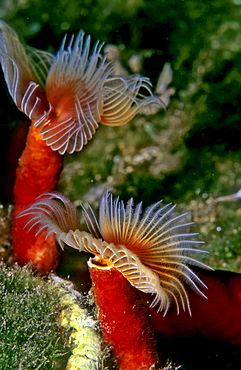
(124, 319)
(37, 172)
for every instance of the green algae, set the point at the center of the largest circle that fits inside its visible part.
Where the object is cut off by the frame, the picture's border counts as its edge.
(30, 336)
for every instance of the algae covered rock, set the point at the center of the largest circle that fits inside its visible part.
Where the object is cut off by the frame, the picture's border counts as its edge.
(30, 335)
(45, 326)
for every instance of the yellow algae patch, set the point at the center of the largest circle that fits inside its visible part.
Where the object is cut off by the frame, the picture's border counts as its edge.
(84, 338)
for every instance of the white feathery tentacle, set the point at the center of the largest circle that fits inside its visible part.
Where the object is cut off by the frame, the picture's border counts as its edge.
(24, 71)
(40, 63)
(74, 89)
(122, 99)
(155, 238)
(52, 212)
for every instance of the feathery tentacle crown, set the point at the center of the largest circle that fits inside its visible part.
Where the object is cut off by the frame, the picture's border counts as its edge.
(67, 95)
(151, 249)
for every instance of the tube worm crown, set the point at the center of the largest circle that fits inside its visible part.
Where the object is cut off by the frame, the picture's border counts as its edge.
(69, 94)
(150, 250)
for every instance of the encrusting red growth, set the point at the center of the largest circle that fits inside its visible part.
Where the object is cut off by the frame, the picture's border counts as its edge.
(65, 96)
(124, 319)
(217, 318)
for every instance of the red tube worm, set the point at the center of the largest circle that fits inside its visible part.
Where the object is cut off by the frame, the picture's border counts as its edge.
(149, 251)
(39, 166)
(124, 318)
(65, 96)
